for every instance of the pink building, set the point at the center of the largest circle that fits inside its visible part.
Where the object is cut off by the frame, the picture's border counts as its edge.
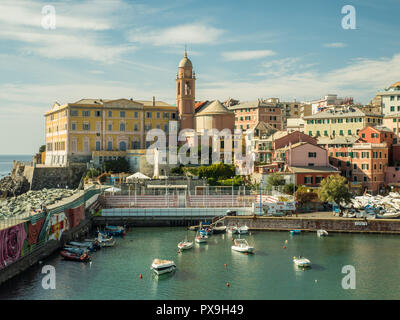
(392, 177)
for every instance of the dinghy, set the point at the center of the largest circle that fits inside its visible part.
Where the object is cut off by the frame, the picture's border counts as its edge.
(243, 230)
(301, 262)
(67, 255)
(200, 238)
(322, 233)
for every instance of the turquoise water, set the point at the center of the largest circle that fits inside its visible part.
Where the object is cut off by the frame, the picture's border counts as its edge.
(201, 274)
(6, 162)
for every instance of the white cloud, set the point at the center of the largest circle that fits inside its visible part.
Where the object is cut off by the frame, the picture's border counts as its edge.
(77, 34)
(183, 34)
(335, 45)
(362, 78)
(247, 54)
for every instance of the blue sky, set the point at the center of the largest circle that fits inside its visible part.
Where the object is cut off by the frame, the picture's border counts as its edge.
(240, 49)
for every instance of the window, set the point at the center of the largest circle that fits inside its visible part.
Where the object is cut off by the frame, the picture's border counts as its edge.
(325, 133)
(122, 114)
(136, 127)
(166, 115)
(73, 126)
(122, 127)
(308, 180)
(391, 98)
(311, 164)
(110, 114)
(122, 146)
(74, 113)
(310, 133)
(355, 166)
(97, 113)
(148, 115)
(312, 154)
(392, 108)
(86, 126)
(349, 132)
(110, 127)
(318, 179)
(136, 114)
(97, 145)
(86, 113)
(158, 115)
(109, 146)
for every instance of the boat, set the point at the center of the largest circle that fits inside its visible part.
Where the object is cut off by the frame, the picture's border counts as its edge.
(90, 246)
(206, 231)
(243, 230)
(322, 233)
(114, 231)
(78, 251)
(219, 228)
(200, 238)
(232, 229)
(301, 262)
(103, 240)
(292, 232)
(185, 245)
(67, 255)
(241, 245)
(163, 266)
(388, 215)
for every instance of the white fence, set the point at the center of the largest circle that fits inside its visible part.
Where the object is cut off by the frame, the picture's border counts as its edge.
(172, 212)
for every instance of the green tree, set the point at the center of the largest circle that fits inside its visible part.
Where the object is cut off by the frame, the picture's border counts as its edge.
(304, 195)
(275, 180)
(288, 188)
(117, 166)
(42, 148)
(335, 188)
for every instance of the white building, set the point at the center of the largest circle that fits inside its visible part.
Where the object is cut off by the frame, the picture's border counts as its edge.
(390, 100)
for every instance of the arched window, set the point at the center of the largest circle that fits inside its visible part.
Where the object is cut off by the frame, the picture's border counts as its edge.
(122, 146)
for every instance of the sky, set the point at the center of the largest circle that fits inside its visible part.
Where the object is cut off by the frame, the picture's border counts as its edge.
(240, 49)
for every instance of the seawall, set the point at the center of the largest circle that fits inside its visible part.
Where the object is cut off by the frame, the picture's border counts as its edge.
(388, 226)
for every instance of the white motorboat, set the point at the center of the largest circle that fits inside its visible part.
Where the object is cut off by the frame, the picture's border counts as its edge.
(241, 245)
(243, 230)
(302, 262)
(163, 266)
(184, 245)
(219, 228)
(322, 233)
(388, 215)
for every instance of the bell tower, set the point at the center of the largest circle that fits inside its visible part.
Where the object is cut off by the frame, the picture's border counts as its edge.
(185, 93)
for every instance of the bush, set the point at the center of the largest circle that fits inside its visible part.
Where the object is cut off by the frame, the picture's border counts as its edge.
(288, 188)
(117, 166)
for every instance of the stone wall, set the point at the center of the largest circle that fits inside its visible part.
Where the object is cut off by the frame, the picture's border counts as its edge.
(53, 177)
(313, 224)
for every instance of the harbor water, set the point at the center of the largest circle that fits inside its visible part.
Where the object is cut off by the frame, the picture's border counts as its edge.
(7, 160)
(204, 271)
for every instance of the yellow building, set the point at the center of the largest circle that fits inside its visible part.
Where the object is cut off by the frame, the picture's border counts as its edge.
(340, 121)
(74, 131)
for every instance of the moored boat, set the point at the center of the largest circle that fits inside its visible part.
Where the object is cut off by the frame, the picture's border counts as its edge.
(301, 262)
(200, 238)
(241, 245)
(219, 228)
(391, 215)
(114, 231)
(160, 266)
(292, 232)
(185, 245)
(243, 230)
(67, 255)
(322, 233)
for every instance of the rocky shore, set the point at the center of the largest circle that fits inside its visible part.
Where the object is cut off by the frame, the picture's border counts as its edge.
(14, 184)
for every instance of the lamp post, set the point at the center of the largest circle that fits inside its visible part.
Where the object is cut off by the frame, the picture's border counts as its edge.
(232, 191)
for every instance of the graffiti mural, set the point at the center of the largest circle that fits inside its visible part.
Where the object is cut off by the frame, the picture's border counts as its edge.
(75, 216)
(58, 224)
(11, 242)
(34, 231)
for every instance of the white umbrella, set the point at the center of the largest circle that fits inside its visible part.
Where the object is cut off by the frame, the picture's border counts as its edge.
(139, 176)
(113, 189)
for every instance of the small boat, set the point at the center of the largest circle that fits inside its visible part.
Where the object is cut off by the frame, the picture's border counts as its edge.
(241, 245)
(243, 230)
(219, 228)
(114, 231)
(90, 246)
(232, 229)
(206, 231)
(292, 232)
(78, 251)
(301, 262)
(163, 266)
(388, 215)
(322, 233)
(67, 255)
(200, 238)
(184, 245)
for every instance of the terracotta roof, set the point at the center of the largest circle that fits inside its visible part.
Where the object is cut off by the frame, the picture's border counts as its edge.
(213, 107)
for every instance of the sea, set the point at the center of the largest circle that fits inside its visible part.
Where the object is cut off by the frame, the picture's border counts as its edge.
(6, 163)
(344, 266)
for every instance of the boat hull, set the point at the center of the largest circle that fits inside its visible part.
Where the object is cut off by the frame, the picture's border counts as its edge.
(243, 249)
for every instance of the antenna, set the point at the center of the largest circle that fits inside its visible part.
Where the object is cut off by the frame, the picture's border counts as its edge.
(185, 51)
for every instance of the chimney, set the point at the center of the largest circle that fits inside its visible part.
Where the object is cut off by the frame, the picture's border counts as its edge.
(154, 101)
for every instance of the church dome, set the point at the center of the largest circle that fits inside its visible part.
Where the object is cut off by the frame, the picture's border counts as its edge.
(185, 62)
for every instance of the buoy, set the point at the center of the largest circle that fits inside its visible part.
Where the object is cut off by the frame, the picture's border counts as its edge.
(294, 257)
(303, 269)
(228, 284)
(245, 253)
(316, 281)
(285, 241)
(284, 247)
(140, 276)
(225, 265)
(233, 239)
